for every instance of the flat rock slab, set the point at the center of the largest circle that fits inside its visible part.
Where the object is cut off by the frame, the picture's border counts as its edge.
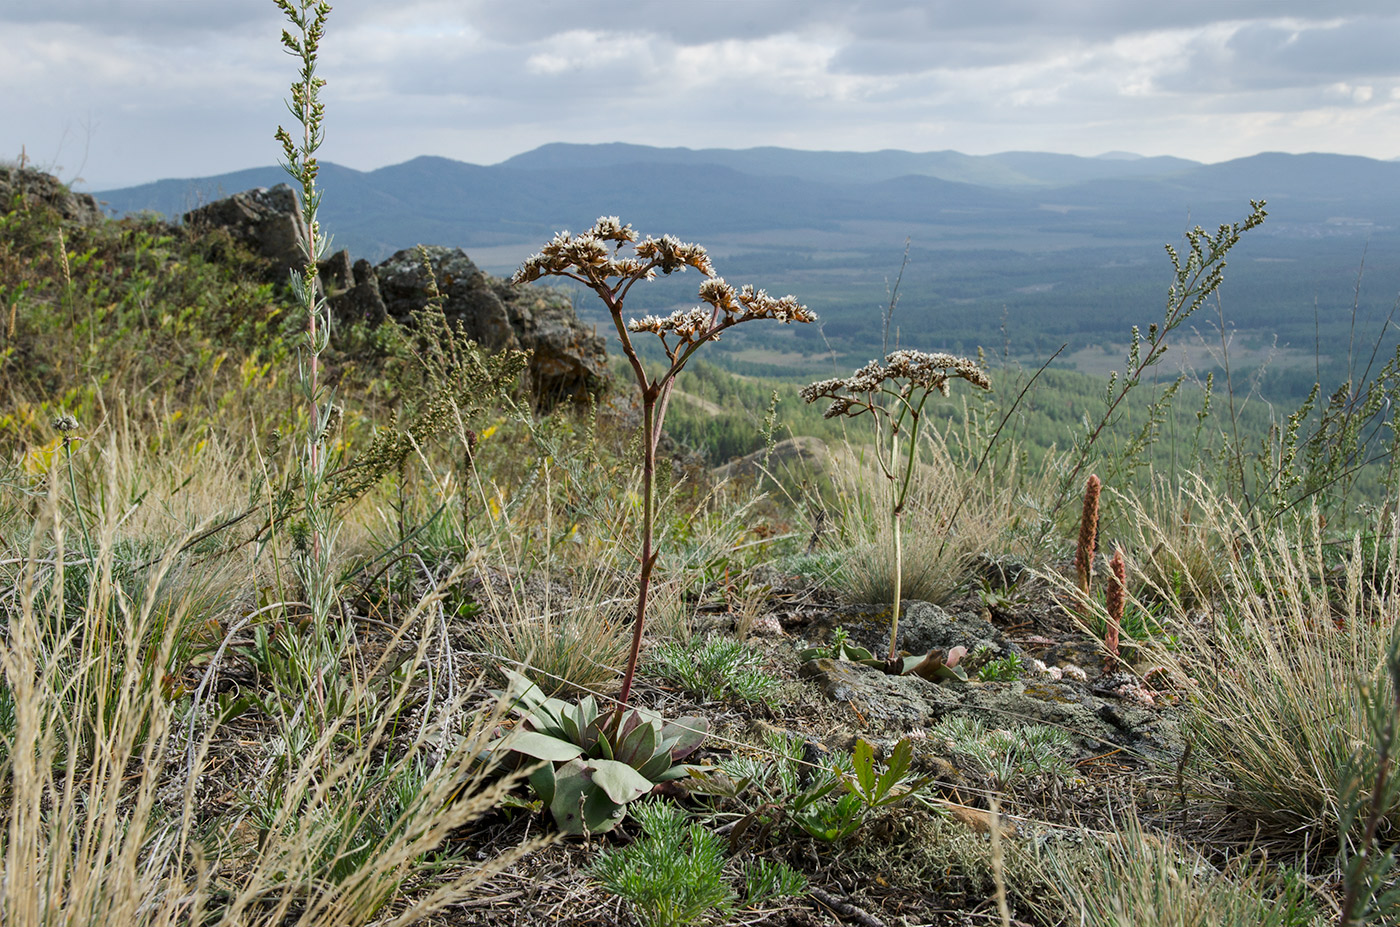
(903, 704)
(923, 626)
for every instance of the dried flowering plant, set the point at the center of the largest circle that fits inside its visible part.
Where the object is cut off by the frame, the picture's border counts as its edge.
(299, 154)
(894, 393)
(597, 260)
(1117, 598)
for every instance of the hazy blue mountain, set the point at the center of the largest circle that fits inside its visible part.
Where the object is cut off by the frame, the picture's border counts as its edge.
(1022, 199)
(1058, 169)
(1061, 247)
(1009, 169)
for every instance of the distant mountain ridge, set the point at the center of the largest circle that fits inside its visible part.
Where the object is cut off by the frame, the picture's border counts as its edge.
(1008, 169)
(1055, 244)
(708, 192)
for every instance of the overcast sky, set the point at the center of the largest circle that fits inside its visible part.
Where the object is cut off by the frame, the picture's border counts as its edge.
(119, 92)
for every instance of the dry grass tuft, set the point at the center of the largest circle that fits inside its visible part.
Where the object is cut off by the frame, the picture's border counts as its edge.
(1290, 624)
(1132, 877)
(938, 550)
(1177, 529)
(104, 767)
(564, 636)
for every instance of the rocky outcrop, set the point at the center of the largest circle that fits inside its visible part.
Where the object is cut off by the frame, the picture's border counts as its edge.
(567, 361)
(36, 186)
(468, 298)
(803, 457)
(1100, 712)
(353, 289)
(266, 221)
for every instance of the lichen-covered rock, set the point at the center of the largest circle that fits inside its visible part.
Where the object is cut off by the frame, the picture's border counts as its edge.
(897, 702)
(908, 703)
(567, 361)
(467, 297)
(1100, 714)
(37, 186)
(923, 626)
(266, 220)
(359, 300)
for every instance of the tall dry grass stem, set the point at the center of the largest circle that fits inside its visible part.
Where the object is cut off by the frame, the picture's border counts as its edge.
(1087, 546)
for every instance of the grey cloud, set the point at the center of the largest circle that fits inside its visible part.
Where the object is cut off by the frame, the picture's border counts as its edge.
(453, 77)
(894, 21)
(144, 18)
(1364, 46)
(697, 23)
(681, 23)
(1272, 56)
(876, 58)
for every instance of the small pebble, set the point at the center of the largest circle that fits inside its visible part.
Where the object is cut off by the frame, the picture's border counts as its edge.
(767, 626)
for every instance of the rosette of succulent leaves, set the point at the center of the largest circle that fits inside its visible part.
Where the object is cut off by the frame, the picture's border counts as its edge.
(597, 260)
(587, 770)
(894, 393)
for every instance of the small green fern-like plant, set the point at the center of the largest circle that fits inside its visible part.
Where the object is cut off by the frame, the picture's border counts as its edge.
(714, 668)
(673, 875)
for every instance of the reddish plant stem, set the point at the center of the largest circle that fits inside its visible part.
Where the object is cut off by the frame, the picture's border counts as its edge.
(1088, 540)
(648, 558)
(1117, 599)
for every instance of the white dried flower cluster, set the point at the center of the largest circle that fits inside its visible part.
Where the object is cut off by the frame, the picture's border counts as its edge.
(748, 303)
(730, 307)
(933, 371)
(918, 370)
(596, 260)
(563, 254)
(865, 380)
(687, 324)
(593, 256)
(784, 309)
(610, 228)
(668, 254)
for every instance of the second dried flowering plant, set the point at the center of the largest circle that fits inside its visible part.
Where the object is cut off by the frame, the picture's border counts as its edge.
(597, 260)
(894, 393)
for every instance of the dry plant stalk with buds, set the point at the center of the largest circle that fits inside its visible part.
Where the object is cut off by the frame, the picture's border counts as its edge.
(894, 394)
(1088, 538)
(596, 260)
(1117, 598)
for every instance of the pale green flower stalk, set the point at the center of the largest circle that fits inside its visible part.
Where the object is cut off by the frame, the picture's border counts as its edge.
(309, 21)
(877, 388)
(66, 426)
(595, 259)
